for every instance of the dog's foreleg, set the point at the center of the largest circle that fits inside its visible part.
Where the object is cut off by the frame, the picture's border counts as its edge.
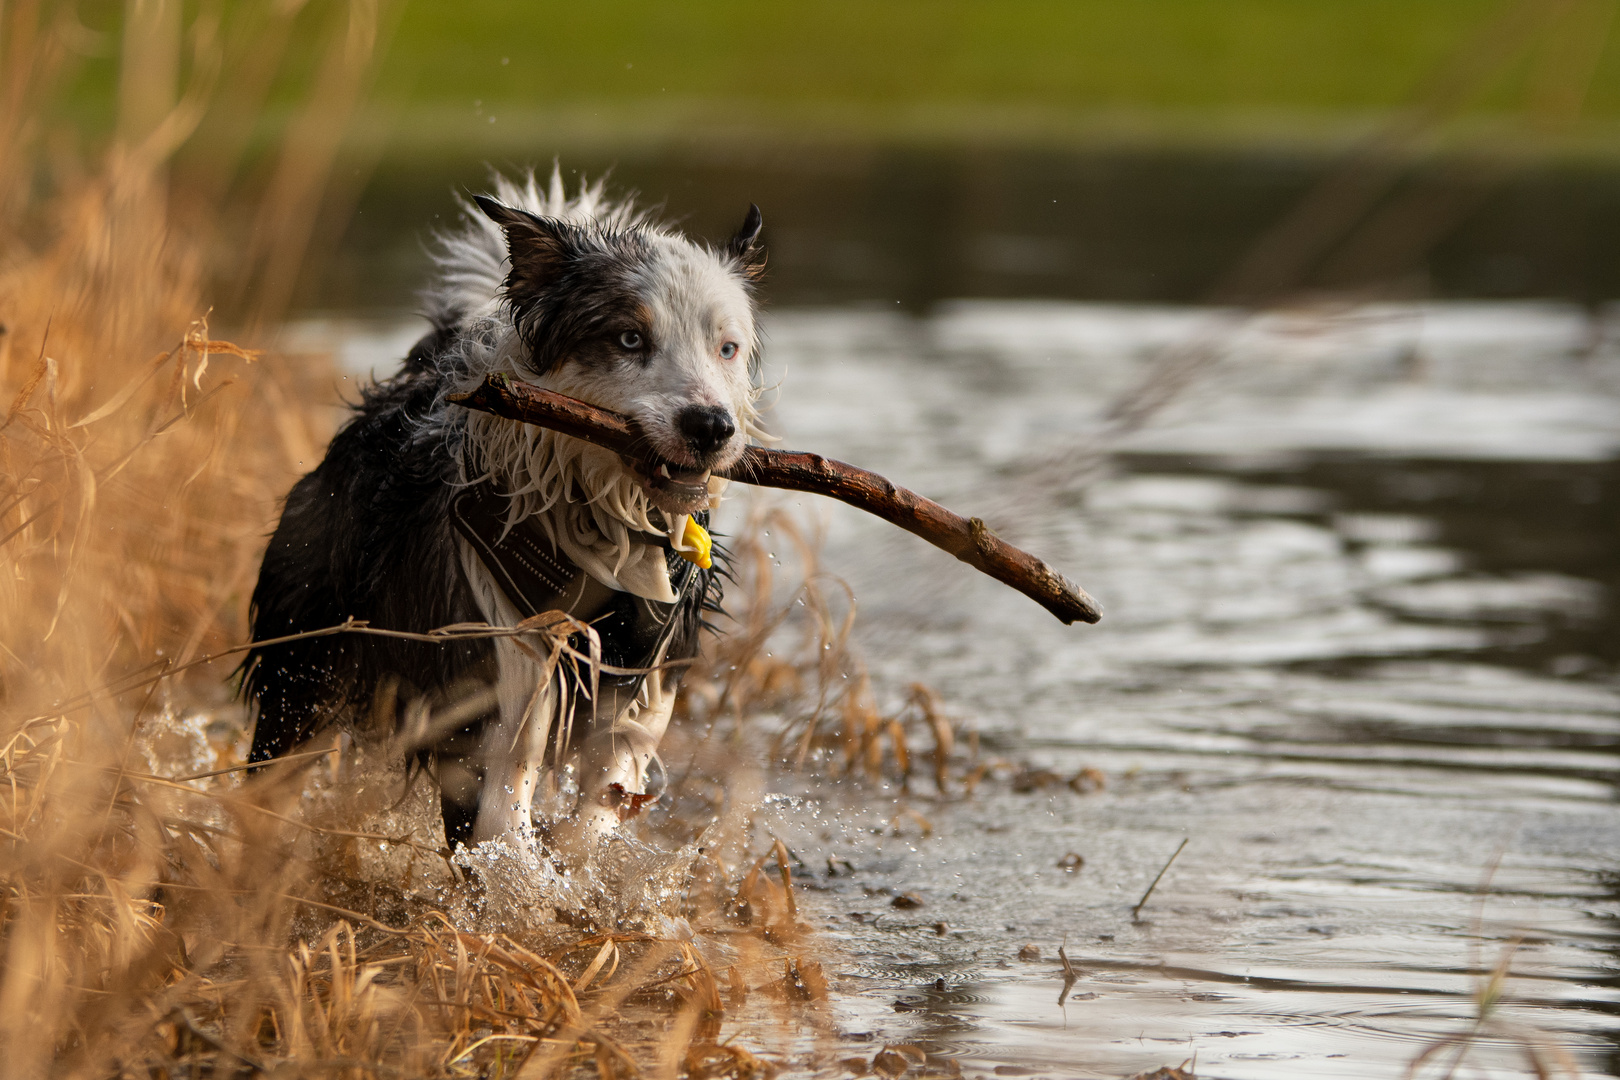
(514, 748)
(613, 764)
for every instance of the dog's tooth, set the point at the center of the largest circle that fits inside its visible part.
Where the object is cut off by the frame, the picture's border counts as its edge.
(663, 470)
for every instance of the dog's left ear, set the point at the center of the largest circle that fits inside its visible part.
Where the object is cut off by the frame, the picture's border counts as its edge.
(743, 249)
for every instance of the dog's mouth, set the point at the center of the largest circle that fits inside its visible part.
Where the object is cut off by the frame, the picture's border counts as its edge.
(674, 489)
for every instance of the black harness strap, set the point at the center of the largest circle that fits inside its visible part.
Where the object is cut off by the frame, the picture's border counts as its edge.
(532, 573)
(536, 576)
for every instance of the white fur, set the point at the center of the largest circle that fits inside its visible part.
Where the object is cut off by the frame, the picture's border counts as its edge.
(612, 763)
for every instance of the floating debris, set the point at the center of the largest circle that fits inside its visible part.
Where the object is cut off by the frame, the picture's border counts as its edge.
(1136, 912)
(1088, 780)
(716, 1061)
(893, 1061)
(887, 1063)
(1069, 976)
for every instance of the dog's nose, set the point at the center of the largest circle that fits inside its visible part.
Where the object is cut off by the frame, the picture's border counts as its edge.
(706, 427)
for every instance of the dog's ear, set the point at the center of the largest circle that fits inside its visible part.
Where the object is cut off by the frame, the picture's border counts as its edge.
(743, 249)
(538, 247)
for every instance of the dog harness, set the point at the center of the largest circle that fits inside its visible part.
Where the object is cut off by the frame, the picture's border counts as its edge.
(536, 575)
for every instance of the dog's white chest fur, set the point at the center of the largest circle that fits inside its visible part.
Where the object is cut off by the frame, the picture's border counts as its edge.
(526, 740)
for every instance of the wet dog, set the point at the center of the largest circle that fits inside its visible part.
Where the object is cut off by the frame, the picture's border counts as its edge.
(424, 514)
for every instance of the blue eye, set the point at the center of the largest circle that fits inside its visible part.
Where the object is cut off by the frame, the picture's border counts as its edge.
(728, 350)
(630, 340)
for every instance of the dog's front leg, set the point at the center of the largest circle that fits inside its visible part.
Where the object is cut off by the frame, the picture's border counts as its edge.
(613, 764)
(514, 748)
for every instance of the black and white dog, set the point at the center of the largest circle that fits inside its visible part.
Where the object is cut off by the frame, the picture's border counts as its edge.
(424, 514)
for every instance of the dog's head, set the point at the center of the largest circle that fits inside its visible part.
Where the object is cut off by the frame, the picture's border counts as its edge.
(645, 323)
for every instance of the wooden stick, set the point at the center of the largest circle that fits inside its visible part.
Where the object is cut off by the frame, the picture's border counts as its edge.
(969, 539)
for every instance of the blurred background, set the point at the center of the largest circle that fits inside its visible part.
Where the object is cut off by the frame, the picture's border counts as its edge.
(917, 152)
(1289, 329)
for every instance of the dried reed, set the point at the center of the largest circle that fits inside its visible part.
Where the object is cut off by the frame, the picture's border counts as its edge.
(787, 663)
(162, 913)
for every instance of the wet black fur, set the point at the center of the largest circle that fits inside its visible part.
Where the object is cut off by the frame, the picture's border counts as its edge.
(569, 284)
(367, 535)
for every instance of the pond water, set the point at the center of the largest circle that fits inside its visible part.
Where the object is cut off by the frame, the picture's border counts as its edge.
(1359, 650)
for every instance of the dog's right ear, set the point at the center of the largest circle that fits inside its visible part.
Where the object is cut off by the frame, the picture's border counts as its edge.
(537, 247)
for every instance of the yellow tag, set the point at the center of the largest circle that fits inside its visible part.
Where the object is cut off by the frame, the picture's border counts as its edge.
(695, 544)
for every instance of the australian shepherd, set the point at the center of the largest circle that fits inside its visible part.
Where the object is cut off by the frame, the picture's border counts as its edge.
(424, 514)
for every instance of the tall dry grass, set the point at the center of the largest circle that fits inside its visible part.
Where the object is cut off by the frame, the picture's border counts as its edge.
(140, 464)
(162, 914)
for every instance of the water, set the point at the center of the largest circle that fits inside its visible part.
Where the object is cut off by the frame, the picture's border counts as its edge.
(1359, 648)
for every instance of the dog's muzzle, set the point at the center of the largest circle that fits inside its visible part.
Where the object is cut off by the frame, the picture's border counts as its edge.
(682, 487)
(674, 489)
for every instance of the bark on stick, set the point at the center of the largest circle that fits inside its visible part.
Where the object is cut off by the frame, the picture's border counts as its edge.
(969, 539)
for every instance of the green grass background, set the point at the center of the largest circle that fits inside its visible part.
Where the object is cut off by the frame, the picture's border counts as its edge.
(1307, 54)
(898, 69)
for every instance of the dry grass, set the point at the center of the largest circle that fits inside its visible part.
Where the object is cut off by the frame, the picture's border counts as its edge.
(160, 922)
(1443, 1057)
(786, 671)
(163, 914)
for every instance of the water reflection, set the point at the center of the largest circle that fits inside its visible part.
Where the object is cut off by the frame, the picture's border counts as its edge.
(1536, 537)
(853, 222)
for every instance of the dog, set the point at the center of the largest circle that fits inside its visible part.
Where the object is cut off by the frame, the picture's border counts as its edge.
(424, 514)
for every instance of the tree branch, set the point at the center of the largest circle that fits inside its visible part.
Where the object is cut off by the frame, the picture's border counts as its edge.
(969, 539)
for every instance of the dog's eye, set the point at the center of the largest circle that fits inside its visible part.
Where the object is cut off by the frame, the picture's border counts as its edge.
(728, 351)
(630, 339)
